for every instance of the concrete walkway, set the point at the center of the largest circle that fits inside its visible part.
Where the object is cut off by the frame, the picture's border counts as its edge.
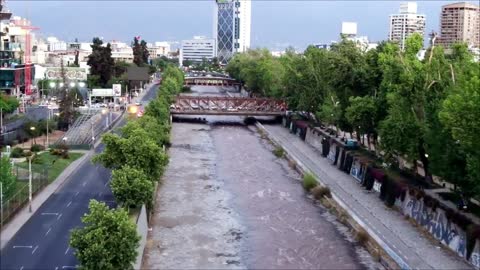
(405, 243)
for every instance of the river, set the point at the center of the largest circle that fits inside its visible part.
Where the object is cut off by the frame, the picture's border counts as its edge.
(227, 202)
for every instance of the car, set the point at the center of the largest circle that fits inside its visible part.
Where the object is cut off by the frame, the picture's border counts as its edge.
(138, 103)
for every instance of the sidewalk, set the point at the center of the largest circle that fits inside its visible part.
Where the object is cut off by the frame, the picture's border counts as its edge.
(12, 227)
(405, 243)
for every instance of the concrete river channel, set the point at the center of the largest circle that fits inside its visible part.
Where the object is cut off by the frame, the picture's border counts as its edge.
(227, 202)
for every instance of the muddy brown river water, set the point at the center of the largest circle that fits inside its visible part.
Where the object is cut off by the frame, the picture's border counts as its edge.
(228, 203)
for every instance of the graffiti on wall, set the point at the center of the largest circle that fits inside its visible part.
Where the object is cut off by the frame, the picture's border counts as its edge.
(437, 224)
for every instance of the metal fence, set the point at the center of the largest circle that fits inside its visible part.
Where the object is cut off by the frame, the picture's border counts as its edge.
(20, 198)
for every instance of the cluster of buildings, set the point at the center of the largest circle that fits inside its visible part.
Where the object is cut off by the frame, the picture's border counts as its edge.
(26, 58)
(459, 22)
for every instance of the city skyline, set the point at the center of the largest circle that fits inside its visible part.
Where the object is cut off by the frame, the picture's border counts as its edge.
(320, 22)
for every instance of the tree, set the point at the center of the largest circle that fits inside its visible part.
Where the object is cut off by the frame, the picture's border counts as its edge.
(138, 151)
(131, 187)
(8, 104)
(461, 115)
(140, 52)
(108, 241)
(175, 73)
(361, 114)
(156, 131)
(100, 61)
(7, 178)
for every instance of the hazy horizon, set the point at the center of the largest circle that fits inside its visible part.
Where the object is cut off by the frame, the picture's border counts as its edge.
(275, 24)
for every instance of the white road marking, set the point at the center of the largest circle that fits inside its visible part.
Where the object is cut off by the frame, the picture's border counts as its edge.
(21, 268)
(59, 216)
(106, 183)
(48, 214)
(49, 229)
(84, 183)
(34, 249)
(66, 251)
(22, 246)
(69, 203)
(100, 194)
(69, 267)
(77, 193)
(56, 268)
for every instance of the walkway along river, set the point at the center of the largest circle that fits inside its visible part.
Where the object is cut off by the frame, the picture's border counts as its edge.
(227, 202)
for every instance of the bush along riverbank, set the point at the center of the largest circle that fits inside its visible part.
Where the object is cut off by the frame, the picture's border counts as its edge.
(137, 158)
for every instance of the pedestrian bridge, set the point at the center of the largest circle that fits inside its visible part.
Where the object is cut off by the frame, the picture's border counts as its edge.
(211, 81)
(204, 105)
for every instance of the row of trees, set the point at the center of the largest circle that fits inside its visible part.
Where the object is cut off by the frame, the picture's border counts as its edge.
(421, 110)
(138, 159)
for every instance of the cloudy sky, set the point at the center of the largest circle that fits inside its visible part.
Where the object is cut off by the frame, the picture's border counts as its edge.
(275, 24)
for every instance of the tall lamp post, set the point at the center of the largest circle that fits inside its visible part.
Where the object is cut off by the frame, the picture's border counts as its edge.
(30, 183)
(33, 134)
(48, 117)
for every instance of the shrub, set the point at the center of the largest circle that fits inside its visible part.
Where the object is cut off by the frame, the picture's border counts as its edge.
(279, 152)
(186, 89)
(17, 152)
(362, 236)
(37, 148)
(320, 192)
(309, 181)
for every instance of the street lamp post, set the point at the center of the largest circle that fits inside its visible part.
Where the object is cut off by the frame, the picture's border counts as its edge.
(33, 134)
(30, 183)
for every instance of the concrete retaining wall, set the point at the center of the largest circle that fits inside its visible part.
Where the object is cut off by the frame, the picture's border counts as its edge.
(142, 230)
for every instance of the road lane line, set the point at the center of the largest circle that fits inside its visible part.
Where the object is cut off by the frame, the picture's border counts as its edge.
(21, 268)
(69, 267)
(77, 193)
(49, 214)
(22, 246)
(69, 203)
(66, 251)
(35, 249)
(84, 183)
(56, 268)
(59, 216)
(106, 183)
(49, 229)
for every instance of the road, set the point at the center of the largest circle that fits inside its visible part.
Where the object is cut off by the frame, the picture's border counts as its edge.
(42, 243)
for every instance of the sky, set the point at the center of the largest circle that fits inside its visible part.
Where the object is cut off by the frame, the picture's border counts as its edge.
(275, 24)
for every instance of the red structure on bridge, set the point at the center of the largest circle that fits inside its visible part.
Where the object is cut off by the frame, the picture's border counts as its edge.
(202, 105)
(211, 81)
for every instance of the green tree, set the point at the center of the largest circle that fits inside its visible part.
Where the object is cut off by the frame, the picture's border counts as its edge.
(137, 151)
(8, 103)
(362, 114)
(108, 239)
(131, 187)
(175, 73)
(461, 115)
(100, 61)
(7, 178)
(156, 131)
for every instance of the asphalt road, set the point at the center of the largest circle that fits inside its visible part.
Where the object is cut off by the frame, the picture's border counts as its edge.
(42, 243)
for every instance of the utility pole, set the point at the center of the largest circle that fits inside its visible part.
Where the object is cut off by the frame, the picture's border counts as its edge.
(1, 205)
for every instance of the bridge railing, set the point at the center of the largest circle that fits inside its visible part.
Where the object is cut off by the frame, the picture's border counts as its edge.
(227, 104)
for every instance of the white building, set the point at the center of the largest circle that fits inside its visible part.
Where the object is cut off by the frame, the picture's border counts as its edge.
(158, 49)
(349, 29)
(197, 49)
(232, 23)
(406, 23)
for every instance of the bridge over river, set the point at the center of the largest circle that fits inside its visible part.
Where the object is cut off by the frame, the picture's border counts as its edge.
(243, 106)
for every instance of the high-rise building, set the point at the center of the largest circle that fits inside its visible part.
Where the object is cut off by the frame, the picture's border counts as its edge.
(232, 21)
(406, 23)
(197, 49)
(460, 22)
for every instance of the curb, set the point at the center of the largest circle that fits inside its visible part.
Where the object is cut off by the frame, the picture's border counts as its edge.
(394, 256)
(15, 224)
